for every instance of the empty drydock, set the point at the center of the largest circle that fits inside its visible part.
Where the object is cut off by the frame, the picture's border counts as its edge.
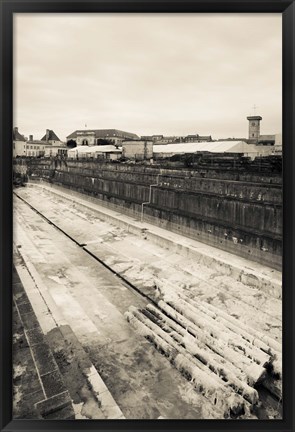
(159, 325)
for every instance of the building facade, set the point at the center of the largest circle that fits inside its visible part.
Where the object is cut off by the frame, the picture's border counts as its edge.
(197, 138)
(272, 143)
(153, 138)
(49, 145)
(100, 137)
(266, 140)
(35, 148)
(107, 152)
(19, 143)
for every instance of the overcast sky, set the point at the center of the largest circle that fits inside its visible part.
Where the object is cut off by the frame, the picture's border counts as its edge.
(171, 74)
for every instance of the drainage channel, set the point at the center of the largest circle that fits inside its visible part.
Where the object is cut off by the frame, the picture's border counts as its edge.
(83, 247)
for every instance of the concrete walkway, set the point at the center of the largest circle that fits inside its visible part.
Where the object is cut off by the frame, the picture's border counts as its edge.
(39, 388)
(46, 330)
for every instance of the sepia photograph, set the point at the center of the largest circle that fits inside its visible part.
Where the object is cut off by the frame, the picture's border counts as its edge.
(147, 216)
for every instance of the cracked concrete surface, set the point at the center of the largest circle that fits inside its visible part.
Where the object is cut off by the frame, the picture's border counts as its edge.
(92, 300)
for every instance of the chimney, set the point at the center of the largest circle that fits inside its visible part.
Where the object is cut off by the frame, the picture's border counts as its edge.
(15, 129)
(47, 134)
(30, 137)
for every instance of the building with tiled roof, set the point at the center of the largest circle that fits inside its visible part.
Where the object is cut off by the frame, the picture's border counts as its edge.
(198, 138)
(153, 138)
(16, 136)
(49, 145)
(51, 138)
(266, 140)
(97, 136)
(272, 141)
(19, 143)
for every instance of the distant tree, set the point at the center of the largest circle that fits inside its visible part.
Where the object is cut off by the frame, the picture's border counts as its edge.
(102, 141)
(71, 143)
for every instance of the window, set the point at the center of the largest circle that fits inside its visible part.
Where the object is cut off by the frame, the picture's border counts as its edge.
(252, 135)
(253, 123)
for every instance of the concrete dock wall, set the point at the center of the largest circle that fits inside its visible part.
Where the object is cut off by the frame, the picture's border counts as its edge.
(238, 212)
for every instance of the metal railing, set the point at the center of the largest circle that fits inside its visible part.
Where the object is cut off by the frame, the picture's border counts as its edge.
(150, 196)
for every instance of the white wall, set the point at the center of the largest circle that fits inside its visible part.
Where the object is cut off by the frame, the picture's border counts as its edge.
(137, 149)
(90, 139)
(19, 148)
(22, 148)
(56, 143)
(53, 150)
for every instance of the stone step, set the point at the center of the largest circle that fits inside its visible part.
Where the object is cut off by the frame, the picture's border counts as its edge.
(54, 404)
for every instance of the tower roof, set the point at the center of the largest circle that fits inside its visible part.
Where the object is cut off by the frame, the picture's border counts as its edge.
(255, 117)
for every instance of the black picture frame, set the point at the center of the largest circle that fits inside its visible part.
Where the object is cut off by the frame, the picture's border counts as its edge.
(8, 8)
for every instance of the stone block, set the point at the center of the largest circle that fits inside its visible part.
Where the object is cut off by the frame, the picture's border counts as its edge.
(20, 297)
(53, 383)
(66, 413)
(25, 308)
(33, 397)
(35, 336)
(17, 287)
(30, 321)
(44, 359)
(54, 404)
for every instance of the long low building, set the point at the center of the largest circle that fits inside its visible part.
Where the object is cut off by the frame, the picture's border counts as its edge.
(92, 137)
(106, 151)
(241, 147)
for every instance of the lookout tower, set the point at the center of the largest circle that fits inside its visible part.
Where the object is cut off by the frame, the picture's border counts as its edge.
(254, 128)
